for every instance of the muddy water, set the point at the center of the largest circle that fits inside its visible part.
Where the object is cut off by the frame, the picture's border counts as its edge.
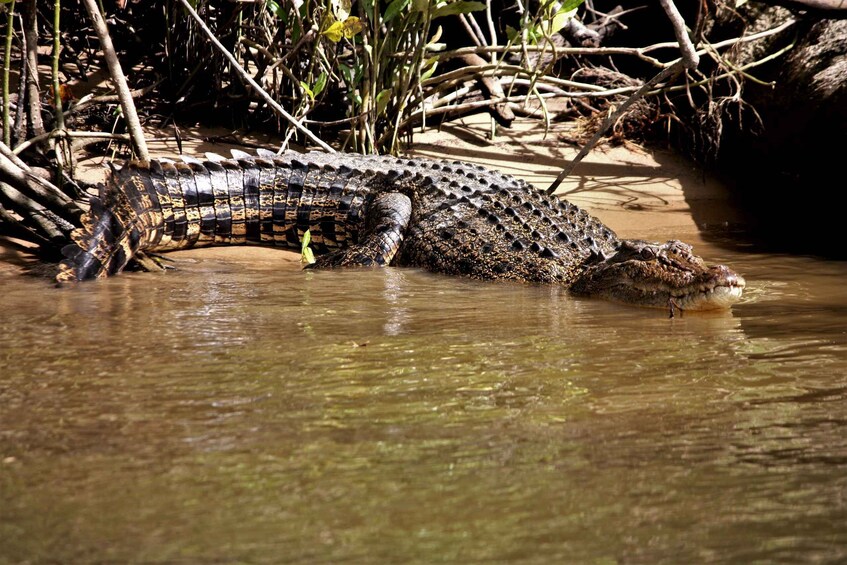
(236, 411)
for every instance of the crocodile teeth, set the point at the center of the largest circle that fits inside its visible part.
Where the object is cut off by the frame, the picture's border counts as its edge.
(715, 297)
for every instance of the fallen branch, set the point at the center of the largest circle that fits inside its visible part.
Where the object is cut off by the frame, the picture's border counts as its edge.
(94, 135)
(13, 227)
(90, 99)
(33, 214)
(18, 175)
(501, 112)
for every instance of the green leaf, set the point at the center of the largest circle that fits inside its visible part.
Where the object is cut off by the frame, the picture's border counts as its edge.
(352, 78)
(275, 9)
(555, 21)
(455, 8)
(307, 256)
(561, 19)
(569, 5)
(436, 36)
(382, 100)
(394, 8)
(351, 75)
(347, 73)
(307, 90)
(512, 34)
(430, 67)
(320, 84)
(368, 6)
(433, 44)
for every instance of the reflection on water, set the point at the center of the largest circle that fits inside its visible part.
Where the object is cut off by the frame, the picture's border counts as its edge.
(232, 413)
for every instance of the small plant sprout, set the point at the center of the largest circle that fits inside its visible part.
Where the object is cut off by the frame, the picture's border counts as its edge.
(307, 256)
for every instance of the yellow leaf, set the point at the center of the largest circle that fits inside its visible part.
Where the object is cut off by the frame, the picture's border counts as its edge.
(334, 32)
(352, 26)
(307, 256)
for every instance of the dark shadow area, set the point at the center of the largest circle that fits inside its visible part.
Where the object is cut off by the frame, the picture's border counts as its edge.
(529, 161)
(787, 215)
(772, 210)
(782, 162)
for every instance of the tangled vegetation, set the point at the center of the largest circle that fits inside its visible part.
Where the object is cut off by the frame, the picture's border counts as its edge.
(358, 76)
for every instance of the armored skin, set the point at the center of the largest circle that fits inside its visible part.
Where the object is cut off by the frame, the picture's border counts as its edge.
(364, 210)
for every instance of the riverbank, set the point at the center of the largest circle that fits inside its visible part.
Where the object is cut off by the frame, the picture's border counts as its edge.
(636, 191)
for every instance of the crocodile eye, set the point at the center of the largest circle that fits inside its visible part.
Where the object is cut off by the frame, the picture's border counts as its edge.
(648, 254)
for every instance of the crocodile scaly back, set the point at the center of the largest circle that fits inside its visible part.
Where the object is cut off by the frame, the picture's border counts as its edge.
(449, 217)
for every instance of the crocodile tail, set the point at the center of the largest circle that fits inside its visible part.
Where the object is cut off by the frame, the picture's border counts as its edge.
(116, 226)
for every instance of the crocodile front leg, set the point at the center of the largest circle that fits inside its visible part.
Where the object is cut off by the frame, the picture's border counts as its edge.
(385, 225)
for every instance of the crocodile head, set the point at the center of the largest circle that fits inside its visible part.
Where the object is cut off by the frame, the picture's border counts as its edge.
(665, 275)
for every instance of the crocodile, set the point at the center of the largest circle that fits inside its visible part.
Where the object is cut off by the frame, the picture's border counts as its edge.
(444, 216)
